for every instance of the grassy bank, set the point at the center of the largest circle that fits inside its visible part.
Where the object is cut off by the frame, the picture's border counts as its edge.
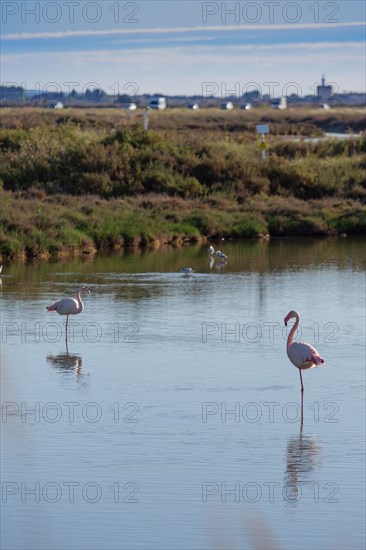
(81, 181)
(61, 224)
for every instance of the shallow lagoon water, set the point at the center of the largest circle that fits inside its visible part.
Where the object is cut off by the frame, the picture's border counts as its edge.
(172, 419)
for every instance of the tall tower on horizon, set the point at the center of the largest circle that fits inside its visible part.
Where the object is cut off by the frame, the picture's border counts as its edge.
(324, 92)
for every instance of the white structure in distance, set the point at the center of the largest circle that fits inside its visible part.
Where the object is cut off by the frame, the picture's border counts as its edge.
(130, 106)
(158, 103)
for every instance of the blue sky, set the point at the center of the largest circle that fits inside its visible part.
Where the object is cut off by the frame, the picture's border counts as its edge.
(185, 47)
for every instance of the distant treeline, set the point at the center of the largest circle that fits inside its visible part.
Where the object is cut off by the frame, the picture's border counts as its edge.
(51, 94)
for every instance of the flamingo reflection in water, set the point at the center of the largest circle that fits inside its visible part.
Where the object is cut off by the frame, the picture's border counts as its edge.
(252, 529)
(302, 459)
(66, 362)
(220, 265)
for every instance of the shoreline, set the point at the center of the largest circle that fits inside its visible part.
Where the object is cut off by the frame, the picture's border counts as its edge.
(72, 254)
(67, 226)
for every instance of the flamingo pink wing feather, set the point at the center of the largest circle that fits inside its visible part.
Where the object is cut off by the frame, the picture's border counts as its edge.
(66, 306)
(303, 355)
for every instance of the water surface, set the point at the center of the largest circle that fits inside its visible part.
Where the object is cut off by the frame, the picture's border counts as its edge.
(172, 418)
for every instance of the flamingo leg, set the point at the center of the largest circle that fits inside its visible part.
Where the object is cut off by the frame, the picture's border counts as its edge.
(302, 407)
(67, 320)
(302, 385)
(302, 397)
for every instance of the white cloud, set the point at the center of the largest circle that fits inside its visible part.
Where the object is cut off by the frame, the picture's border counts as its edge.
(161, 30)
(170, 40)
(192, 52)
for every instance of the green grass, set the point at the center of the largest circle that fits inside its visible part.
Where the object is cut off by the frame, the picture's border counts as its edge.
(86, 179)
(92, 223)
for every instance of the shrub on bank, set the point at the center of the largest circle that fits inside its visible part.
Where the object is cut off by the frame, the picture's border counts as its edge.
(130, 161)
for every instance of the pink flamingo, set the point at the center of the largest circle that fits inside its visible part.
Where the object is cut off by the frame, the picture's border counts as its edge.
(69, 306)
(302, 355)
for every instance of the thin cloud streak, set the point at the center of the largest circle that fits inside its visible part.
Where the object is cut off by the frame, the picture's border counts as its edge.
(205, 51)
(210, 28)
(170, 40)
(299, 46)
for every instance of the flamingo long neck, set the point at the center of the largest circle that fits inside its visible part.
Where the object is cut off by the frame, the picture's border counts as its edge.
(293, 330)
(81, 305)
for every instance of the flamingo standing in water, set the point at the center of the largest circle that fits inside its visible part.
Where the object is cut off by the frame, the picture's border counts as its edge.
(69, 306)
(302, 355)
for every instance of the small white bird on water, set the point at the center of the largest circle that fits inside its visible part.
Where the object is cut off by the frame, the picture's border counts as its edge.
(187, 270)
(220, 254)
(69, 306)
(217, 253)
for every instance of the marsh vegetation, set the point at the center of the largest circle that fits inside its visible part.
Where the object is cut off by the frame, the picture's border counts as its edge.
(85, 179)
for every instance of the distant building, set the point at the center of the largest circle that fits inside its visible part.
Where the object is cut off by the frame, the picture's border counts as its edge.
(158, 103)
(324, 92)
(280, 104)
(130, 106)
